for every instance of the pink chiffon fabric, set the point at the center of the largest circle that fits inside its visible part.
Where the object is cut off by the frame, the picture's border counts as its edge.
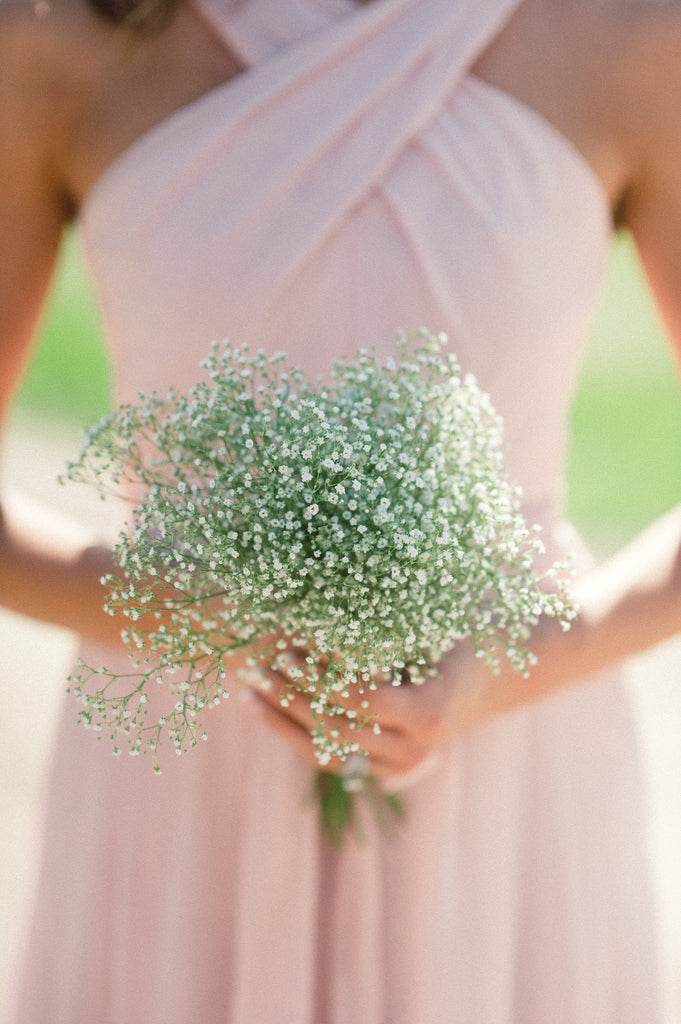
(355, 179)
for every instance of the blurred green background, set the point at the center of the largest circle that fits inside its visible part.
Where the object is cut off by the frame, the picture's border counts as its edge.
(625, 460)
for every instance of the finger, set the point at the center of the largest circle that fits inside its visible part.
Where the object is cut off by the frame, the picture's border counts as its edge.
(289, 730)
(301, 709)
(406, 708)
(400, 725)
(290, 684)
(391, 752)
(362, 701)
(392, 724)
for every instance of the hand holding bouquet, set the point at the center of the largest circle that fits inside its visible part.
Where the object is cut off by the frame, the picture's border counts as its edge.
(367, 522)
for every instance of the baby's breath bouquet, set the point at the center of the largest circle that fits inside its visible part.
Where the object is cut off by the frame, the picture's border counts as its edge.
(367, 522)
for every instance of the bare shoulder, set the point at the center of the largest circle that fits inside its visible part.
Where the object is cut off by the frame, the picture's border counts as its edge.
(646, 24)
(44, 44)
(622, 61)
(39, 72)
(47, 61)
(25, 64)
(599, 70)
(641, 41)
(645, 59)
(642, 50)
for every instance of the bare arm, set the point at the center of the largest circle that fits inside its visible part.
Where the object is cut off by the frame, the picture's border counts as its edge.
(37, 577)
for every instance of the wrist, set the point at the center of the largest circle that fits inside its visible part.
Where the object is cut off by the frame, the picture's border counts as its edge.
(53, 579)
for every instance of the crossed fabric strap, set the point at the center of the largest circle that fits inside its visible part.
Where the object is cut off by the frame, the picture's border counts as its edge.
(315, 128)
(308, 132)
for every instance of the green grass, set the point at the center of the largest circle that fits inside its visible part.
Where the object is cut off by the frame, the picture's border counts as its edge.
(625, 461)
(69, 375)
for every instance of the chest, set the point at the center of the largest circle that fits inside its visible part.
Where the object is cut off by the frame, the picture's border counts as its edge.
(542, 55)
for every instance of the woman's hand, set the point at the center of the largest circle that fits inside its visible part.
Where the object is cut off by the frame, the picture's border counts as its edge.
(627, 604)
(414, 722)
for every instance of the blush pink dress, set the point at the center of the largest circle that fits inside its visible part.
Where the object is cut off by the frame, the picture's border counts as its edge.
(355, 179)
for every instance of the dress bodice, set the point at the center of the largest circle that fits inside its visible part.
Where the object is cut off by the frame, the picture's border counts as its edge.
(354, 180)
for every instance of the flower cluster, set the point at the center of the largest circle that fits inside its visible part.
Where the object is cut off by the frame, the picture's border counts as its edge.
(368, 522)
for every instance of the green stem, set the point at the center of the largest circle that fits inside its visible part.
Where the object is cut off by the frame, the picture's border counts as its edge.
(338, 808)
